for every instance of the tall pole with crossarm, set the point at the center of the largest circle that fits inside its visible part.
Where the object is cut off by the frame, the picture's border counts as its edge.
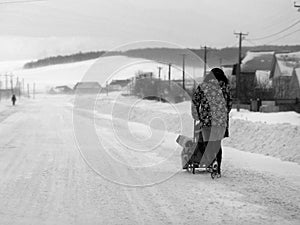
(183, 71)
(238, 72)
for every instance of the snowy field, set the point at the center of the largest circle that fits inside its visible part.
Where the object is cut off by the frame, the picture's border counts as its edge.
(115, 161)
(101, 70)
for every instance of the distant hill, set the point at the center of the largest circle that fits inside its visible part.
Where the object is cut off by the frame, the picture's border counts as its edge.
(63, 59)
(215, 57)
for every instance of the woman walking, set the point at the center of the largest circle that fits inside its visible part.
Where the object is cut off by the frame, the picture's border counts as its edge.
(211, 104)
(13, 99)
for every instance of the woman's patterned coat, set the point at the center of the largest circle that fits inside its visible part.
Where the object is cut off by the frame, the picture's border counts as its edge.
(211, 104)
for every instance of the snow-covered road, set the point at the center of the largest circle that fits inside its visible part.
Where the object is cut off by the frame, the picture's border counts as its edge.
(45, 180)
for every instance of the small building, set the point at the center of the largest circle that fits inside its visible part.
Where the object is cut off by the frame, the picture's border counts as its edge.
(62, 90)
(87, 87)
(282, 71)
(118, 85)
(249, 78)
(141, 75)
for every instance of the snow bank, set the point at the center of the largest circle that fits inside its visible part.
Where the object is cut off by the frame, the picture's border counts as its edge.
(277, 140)
(269, 118)
(273, 134)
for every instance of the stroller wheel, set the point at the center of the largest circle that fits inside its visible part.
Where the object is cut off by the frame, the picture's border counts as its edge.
(215, 165)
(213, 175)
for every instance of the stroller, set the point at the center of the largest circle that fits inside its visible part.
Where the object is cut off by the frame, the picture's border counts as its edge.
(193, 155)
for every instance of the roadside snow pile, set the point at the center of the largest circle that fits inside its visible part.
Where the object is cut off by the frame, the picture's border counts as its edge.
(4, 106)
(269, 118)
(173, 118)
(277, 140)
(273, 134)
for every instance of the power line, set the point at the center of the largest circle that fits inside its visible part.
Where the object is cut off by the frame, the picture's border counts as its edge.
(21, 1)
(284, 36)
(276, 24)
(251, 42)
(279, 32)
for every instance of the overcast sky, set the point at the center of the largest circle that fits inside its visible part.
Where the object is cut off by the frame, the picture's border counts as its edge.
(39, 29)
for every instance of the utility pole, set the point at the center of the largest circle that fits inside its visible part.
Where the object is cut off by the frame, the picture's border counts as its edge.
(6, 81)
(169, 74)
(238, 70)
(23, 86)
(183, 71)
(205, 60)
(159, 70)
(11, 83)
(18, 87)
(33, 91)
(28, 91)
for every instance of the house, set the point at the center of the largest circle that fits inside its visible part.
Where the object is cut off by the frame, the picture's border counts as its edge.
(249, 77)
(282, 71)
(62, 90)
(141, 75)
(117, 85)
(87, 87)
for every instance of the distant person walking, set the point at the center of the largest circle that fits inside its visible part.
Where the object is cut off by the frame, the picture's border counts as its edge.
(13, 99)
(211, 104)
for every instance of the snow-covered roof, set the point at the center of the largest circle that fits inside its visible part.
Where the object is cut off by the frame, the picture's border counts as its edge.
(87, 85)
(120, 82)
(257, 61)
(286, 62)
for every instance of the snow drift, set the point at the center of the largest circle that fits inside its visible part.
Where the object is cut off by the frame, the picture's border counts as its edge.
(274, 134)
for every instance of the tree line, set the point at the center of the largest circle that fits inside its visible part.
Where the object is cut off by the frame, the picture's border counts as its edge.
(64, 59)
